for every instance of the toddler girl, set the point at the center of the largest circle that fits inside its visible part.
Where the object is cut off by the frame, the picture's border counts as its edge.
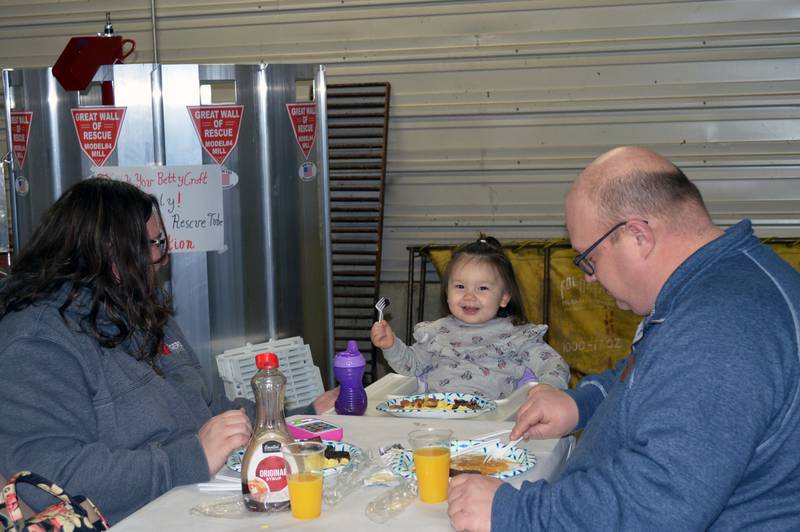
(484, 346)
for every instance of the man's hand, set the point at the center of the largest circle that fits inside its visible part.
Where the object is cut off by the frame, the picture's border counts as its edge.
(469, 502)
(382, 334)
(547, 413)
(221, 435)
(325, 402)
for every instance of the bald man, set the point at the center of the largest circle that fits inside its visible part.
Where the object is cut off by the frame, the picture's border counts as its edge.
(699, 427)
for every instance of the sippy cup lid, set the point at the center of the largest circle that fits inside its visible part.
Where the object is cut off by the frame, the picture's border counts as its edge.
(349, 358)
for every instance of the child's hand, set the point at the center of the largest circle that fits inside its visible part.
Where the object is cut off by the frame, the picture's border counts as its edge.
(326, 401)
(382, 334)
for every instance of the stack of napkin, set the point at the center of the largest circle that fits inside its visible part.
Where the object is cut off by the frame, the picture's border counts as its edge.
(225, 480)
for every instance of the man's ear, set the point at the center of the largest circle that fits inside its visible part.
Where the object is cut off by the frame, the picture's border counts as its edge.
(644, 237)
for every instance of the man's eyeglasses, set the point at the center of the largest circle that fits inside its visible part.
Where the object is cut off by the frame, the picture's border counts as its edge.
(160, 243)
(582, 261)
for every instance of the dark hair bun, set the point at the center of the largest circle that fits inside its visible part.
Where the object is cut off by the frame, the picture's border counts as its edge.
(490, 241)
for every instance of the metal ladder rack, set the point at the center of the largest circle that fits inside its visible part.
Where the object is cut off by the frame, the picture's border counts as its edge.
(358, 121)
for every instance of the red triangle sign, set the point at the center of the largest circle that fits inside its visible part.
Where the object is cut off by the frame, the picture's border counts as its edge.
(217, 127)
(98, 130)
(20, 132)
(304, 124)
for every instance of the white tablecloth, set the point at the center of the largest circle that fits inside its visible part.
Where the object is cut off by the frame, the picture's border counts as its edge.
(171, 511)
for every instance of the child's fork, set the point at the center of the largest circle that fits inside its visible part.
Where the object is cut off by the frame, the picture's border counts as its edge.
(382, 303)
(500, 452)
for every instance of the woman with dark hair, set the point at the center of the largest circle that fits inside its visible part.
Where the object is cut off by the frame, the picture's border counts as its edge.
(85, 247)
(484, 346)
(101, 392)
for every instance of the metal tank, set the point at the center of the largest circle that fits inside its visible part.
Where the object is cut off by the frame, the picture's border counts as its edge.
(271, 279)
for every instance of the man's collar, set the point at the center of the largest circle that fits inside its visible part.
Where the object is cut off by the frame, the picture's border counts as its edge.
(734, 236)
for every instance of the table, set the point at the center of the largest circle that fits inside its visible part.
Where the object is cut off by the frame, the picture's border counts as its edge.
(171, 510)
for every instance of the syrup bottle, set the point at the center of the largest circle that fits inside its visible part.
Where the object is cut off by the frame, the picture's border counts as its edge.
(264, 483)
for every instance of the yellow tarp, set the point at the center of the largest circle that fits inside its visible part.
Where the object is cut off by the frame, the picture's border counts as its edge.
(790, 252)
(586, 326)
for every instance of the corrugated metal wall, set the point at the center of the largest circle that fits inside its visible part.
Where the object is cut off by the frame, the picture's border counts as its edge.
(496, 106)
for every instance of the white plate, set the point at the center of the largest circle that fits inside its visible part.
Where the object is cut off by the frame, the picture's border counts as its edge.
(403, 462)
(484, 405)
(234, 461)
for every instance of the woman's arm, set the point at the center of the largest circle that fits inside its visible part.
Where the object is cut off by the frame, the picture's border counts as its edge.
(119, 442)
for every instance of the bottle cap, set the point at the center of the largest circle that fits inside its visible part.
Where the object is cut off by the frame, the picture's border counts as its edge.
(266, 361)
(350, 358)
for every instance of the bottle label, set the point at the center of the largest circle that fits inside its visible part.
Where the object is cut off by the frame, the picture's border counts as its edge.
(271, 447)
(272, 470)
(266, 475)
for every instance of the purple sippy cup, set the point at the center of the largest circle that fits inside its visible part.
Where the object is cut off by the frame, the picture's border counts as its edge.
(348, 366)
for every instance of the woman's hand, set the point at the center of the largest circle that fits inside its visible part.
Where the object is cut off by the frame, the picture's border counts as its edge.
(221, 435)
(382, 334)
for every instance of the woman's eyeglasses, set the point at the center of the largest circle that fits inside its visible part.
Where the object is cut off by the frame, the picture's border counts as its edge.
(160, 243)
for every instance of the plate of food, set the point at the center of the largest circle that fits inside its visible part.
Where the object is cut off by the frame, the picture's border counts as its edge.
(444, 405)
(337, 455)
(514, 462)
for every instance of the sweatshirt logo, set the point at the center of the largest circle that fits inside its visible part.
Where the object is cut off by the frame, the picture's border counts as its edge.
(174, 347)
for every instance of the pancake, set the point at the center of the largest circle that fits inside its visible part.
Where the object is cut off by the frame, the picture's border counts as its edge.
(473, 463)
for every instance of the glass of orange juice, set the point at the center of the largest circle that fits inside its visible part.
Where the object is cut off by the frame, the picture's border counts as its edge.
(304, 463)
(431, 448)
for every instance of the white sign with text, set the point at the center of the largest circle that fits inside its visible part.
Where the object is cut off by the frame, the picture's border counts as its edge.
(190, 198)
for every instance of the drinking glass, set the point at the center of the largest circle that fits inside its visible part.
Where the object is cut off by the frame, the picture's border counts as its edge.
(431, 448)
(304, 464)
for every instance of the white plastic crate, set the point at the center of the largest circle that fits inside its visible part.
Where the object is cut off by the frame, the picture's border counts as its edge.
(299, 392)
(231, 361)
(303, 379)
